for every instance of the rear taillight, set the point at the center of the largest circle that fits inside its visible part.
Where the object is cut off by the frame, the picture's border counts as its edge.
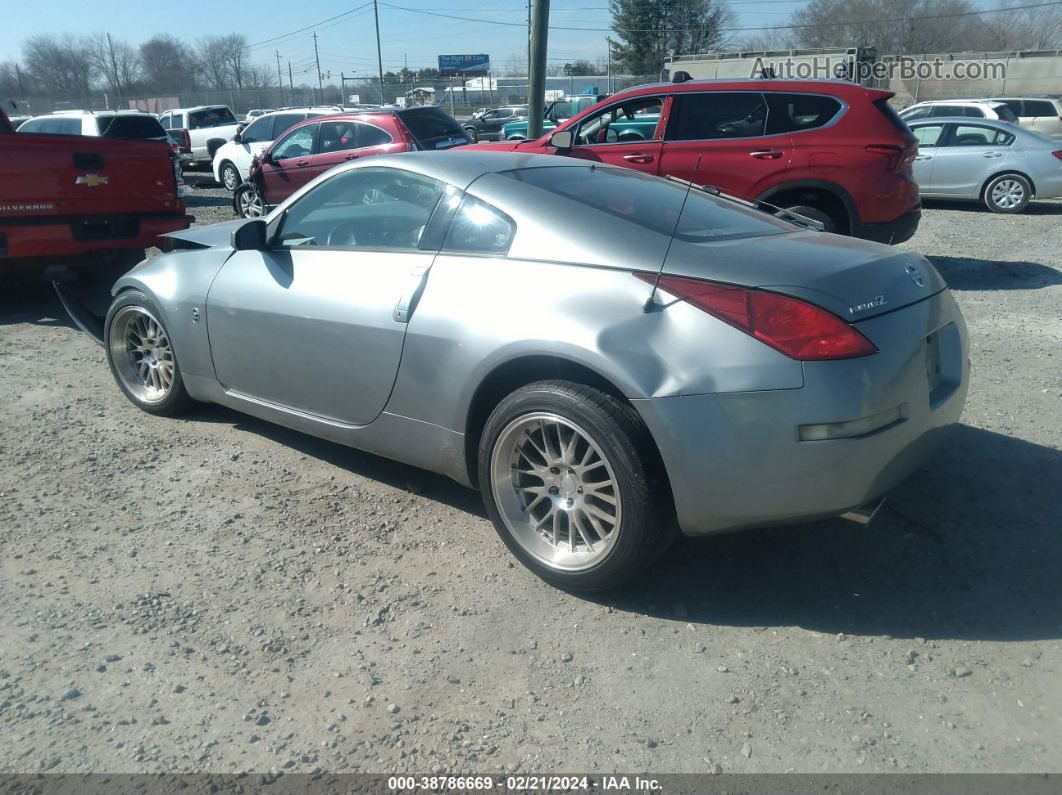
(186, 141)
(893, 153)
(1058, 154)
(798, 329)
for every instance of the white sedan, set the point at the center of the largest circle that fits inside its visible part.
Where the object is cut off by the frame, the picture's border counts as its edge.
(232, 161)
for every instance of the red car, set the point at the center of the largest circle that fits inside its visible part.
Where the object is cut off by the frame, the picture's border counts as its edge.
(310, 148)
(828, 149)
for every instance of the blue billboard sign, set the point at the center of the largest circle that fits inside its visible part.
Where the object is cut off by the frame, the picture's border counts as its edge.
(464, 64)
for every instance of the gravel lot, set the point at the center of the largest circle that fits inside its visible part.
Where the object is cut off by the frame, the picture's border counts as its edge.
(219, 594)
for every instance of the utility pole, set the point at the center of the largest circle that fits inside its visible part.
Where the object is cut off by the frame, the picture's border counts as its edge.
(291, 84)
(536, 73)
(280, 79)
(320, 80)
(379, 56)
(529, 45)
(608, 72)
(21, 88)
(114, 69)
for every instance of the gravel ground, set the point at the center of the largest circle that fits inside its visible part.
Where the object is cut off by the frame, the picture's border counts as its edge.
(219, 594)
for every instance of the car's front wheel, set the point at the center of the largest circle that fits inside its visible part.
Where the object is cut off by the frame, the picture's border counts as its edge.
(473, 136)
(140, 354)
(569, 481)
(1007, 193)
(230, 176)
(248, 201)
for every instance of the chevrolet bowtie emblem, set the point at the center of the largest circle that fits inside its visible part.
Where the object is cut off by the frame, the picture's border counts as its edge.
(92, 180)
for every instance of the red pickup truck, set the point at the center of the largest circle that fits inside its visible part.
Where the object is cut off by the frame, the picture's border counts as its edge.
(83, 204)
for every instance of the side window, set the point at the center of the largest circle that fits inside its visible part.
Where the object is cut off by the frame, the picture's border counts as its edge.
(68, 126)
(32, 126)
(480, 228)
(972, 135)
(1015, 106)
(795, 112)
(1038, 107)
(337, 136)
(916, 113)
(297, 143)
(370, 135)
(283, 121)
(928, 134)
(973, 112)
(631, 121)
(716, 115)
(258, 131)
(373, 208)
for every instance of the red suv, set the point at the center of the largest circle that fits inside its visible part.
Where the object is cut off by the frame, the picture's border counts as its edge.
(828, 149)
(310, 148)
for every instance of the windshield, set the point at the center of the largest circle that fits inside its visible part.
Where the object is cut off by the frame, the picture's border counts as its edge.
(212, 117)
(130, 126)
(651, 202)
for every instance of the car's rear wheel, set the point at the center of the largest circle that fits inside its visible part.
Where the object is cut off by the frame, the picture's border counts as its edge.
(568, 479)
(1007, 193)
(248, 201)
(140, 354)
(471, 133)
(230, 176)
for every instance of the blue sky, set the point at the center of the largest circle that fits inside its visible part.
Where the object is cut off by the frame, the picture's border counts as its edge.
(348, 44)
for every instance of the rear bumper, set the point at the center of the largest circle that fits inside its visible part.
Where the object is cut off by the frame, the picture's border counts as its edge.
(736, 460)
(899, 230)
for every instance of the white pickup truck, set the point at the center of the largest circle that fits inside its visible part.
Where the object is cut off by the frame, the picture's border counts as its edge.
(209, 126)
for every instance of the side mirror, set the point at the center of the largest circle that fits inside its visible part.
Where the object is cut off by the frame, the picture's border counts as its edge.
(250, 236)
(238, 136)
(562, 140)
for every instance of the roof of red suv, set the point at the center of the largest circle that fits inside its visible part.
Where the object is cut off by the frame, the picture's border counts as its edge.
(758, 84)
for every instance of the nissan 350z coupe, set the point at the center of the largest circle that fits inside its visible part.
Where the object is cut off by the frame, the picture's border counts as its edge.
(610, 357)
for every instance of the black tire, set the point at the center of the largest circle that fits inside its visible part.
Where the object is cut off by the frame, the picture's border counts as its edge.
(230, 176)
(815, 214)
(473, 136)
(1007, 193)
(176, 400)
(647, 525)
(243, 198)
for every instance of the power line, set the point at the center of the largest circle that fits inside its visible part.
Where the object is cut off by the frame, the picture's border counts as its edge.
(308, 27)
(743, 29)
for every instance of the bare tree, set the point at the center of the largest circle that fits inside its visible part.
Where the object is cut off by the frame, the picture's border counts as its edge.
(214, 61)
(234, 48)
(14, 82)
(259, 76)
(116, 62)
(62, 65)
(1028, 28)
(516, 66)
(168, 63)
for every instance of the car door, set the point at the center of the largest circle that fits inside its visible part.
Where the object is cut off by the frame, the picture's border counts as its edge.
(344, 140)
(727, 131)
(970, 152)
(254, 139)
(624, 134)
(289, 164)
(1043, 117)
(315, 322)
(928, 136)
(491, 123)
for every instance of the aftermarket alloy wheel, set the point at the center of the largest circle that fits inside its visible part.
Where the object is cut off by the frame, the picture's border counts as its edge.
(570, 480)
(140, 354)
(1007, 193)
(230, 177)
(248, 201)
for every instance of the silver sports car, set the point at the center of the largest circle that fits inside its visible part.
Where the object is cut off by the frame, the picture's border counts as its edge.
(609, 357)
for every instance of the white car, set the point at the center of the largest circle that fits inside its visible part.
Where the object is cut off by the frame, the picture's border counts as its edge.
(108, 124)
(1039, 114)
(232, 160)
(969, 108)
(209, 126)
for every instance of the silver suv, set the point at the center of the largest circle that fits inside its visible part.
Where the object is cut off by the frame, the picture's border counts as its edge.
(1039, 114)
(970, 108)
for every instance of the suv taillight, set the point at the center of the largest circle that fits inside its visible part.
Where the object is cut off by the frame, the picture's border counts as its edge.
(798, 329)
(893, 153)
(186, 141)
(1058, 154)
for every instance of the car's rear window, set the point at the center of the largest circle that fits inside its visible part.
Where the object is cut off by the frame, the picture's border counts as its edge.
(889, 112)
(212, 117)
(651, 202)
(1039, 107)
(433, 128)
(130, 126)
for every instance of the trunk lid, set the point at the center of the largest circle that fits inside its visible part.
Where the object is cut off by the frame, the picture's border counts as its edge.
(853, 279)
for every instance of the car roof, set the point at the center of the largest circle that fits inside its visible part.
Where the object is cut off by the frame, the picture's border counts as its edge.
(992, 102)
(999, 124)
(197, 107)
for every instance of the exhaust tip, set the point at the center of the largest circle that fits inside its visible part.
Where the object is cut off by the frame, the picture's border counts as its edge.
(865, 513)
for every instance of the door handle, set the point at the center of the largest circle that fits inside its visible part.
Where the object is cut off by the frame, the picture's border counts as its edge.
(768, 154)
(992, 154)
(639, 158)
(924, 157)
(302, 162)
(408, 302)
(351, 157)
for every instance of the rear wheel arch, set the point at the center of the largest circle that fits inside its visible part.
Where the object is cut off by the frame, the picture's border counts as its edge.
(213, 145)
(509, 376)
(834, 200)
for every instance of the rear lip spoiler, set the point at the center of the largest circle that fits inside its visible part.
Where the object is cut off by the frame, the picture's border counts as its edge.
(83, 317)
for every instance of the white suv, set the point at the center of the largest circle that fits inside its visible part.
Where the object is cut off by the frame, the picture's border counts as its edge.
(209, 126)
(1039, 114)
(232, 161)
(969, 108)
